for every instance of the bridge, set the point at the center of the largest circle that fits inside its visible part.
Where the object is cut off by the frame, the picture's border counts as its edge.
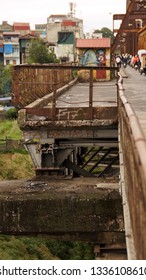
(130, 36)
(87, 143)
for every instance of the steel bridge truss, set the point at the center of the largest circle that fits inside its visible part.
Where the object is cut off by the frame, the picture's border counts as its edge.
(76, 157)
(126, 37)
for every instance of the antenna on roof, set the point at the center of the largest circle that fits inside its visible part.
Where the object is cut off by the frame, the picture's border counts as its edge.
(72, 9)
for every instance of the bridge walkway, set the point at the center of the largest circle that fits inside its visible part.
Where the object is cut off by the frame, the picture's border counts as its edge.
(135, 93)
(104, 94)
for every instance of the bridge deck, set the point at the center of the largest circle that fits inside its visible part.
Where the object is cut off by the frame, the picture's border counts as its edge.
(104, 94)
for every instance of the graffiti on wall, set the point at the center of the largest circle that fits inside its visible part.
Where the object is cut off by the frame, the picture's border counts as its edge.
(101, 59)
(94, 58)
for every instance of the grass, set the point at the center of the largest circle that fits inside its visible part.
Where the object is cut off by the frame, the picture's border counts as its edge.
(10, 129)
(39, 248)
(24, 248)
(15, 164)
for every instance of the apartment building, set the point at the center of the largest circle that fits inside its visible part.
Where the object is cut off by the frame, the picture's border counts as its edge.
(11, 50)
(62, 32)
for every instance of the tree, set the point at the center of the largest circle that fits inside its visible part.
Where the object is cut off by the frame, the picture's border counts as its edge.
(106, 32)
(6, 79)
(38, 52)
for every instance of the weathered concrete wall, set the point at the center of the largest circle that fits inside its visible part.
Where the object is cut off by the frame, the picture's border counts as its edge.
(62, 207)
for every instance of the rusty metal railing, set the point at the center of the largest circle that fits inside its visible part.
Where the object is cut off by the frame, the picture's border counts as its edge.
(39, 82)
(31, 82)
(133, 144)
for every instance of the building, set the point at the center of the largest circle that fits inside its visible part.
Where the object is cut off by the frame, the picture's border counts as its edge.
(93, 34)
(24, 42)
(94, 52)
(1, 50)
(97, 34)
(63, 23)
(22, 27)
(74, 25)
(53, 27)
(5, 27)
(41, 30)
(66, 46)
(11, 51)
(62, 32)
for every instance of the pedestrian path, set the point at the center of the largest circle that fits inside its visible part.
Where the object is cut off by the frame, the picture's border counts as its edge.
(135, 92)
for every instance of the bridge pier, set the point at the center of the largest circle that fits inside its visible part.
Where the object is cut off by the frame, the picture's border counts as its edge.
(85, 210)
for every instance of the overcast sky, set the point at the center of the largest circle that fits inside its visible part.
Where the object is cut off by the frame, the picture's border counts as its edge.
(95, 13)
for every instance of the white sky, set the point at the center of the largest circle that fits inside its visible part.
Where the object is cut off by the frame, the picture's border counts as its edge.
(95, 13)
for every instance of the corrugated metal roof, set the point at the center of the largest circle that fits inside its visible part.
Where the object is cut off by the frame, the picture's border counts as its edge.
(93, 43)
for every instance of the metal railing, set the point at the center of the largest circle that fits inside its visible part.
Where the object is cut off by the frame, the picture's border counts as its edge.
(133, 145)
(43, 83)
(31, 82)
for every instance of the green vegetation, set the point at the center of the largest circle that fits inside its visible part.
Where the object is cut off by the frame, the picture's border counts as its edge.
(15, 166)
(37, 248)
(106, 32)
(38, 52)
(12, 114)
(5, 80)
(15, 163)
(10, 129)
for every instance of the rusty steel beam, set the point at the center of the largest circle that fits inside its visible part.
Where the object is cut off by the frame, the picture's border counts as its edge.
(118, 16)
(91, 94)
(124, 25)
(54, 95)
(70, 114)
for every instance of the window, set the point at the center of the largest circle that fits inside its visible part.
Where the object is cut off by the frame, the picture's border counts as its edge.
(15, 50)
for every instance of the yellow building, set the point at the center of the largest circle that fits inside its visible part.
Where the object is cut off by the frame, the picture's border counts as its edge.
(94, 52)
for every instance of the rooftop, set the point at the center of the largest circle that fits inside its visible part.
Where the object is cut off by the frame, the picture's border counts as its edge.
(93, 43)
